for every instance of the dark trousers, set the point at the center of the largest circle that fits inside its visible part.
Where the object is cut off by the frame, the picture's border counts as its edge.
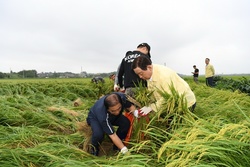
(98, 134)
(210, 81)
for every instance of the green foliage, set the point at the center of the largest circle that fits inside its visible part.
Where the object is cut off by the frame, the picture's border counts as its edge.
(204, 142)
(173, 108)
(242, 84)
(216, 135)
(102, 88)
(144, 97)
(27, 74)
(31, 134)
(2, 75)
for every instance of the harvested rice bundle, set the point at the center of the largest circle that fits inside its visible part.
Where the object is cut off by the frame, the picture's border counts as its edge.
(77, 102)
(87, 133)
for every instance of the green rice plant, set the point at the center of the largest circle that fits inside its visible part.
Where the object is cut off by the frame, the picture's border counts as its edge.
(243, 113)
(194, 143)
(10, 116)
(170, 115)
(216, 134)
(102, 88)
(173, 108)
(52, 154)
(49, 121)
(23, 136)
(197, 145)
(144, 97)
(41, 155)
(211, 101)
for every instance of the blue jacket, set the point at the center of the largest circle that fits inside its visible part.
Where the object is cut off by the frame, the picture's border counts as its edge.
(100, 113)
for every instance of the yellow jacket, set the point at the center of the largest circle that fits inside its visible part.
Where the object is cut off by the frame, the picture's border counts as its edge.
(162, 77)
(209, 71)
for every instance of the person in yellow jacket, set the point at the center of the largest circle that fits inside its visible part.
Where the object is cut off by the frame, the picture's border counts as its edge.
(209, 73)
(161, 77)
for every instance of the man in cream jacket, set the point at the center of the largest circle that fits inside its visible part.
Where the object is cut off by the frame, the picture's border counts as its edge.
(161, 77)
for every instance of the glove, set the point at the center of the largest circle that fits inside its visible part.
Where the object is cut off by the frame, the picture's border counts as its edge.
(124, 150)
(145, 110)
(116, 87)
(136, 113)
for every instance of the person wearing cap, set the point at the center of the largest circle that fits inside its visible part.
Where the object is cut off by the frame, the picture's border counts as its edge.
(126, 77)
(161, 77)
(195, 74)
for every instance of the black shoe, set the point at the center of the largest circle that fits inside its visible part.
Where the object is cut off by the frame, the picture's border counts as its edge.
(94, 151)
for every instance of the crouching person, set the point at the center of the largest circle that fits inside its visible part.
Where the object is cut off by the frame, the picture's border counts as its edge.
(106, 113)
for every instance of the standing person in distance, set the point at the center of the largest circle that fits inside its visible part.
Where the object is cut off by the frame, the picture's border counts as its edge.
(195, 73)
(106, 113)
(126, 77)
(161, 77)
(209, 73)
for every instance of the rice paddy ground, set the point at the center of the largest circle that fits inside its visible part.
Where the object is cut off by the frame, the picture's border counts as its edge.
(41, 126)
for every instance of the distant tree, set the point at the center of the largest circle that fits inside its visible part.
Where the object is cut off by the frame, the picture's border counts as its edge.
(2, 75)
(55, 75)
(27, 74)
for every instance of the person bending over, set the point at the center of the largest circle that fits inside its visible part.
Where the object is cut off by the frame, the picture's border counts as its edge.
(104, 114)
(161, 77)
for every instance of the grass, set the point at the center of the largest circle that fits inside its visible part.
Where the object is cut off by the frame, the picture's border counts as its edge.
(39, 126)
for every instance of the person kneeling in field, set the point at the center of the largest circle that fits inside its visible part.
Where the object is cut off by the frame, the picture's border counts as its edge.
(97, 80)
(161, 77)
(105, 113)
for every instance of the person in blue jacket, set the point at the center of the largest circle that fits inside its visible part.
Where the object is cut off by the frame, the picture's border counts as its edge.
(107, 112)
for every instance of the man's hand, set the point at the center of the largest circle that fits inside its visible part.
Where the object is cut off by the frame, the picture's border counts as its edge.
(122, 90)
(124, 150)
(145, 110)
(116, 87)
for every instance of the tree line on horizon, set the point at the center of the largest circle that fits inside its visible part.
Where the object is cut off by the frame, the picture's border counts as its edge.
(35, 74)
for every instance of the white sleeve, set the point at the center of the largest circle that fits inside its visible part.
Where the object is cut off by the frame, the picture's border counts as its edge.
(116, 75)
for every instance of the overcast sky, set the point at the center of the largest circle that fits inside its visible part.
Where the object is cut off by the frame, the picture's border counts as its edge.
(94, 35)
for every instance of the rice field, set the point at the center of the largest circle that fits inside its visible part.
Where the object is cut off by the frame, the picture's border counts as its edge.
(42, 124)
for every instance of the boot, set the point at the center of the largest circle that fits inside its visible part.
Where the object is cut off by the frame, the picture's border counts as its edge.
(94, 151)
